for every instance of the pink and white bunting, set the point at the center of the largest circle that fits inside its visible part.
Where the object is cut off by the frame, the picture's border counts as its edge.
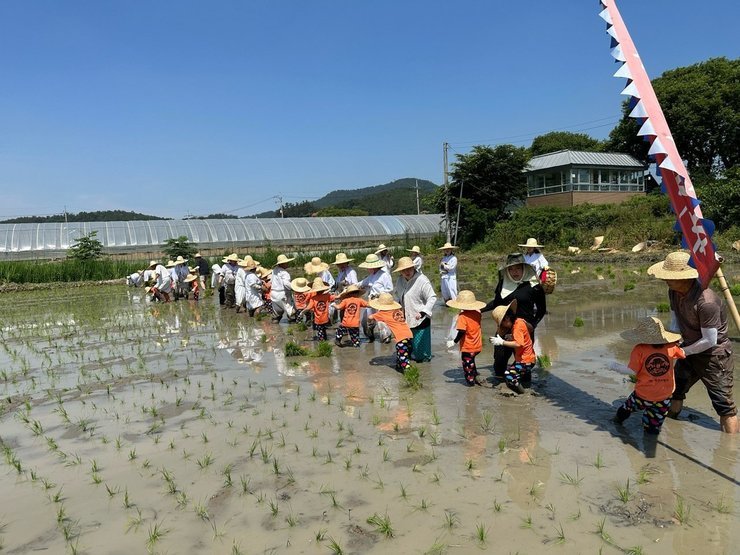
(672, 173)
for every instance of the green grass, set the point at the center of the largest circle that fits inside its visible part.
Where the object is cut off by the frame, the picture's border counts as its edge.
(663, 307)
(34, 271)
(412, 378)
(295, 350)
(578, 322)
(323, 349)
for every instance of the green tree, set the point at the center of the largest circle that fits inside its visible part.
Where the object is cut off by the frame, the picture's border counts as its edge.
(492, 181)
(720, 199)
(564, 140)
(302, 209)
(179, 246)
(87, 247)
(701, 104)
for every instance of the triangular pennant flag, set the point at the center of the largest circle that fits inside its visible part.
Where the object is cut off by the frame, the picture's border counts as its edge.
(639, 110)
(657, 147)
(694, 202)
(605, 16)
(647, 129)
(668, 165)
(612, 32)
(623, 71)
(708, 226)
(631, 90)
(617, 54)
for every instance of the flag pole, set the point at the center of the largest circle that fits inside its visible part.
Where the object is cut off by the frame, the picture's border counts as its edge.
(728, 297)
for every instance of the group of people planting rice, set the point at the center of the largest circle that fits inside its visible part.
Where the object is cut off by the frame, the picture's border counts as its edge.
(665, 365)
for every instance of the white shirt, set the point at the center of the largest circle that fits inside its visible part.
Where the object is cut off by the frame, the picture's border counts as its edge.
(537, 261)
(418, 263)
(280, 280)
(347, 276)
(448, 266)
(254, 290)
(328, 279)
(388, 259)
(377, 283)
(164, 280)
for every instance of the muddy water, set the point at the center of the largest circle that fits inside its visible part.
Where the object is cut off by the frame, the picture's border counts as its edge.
(132, 428)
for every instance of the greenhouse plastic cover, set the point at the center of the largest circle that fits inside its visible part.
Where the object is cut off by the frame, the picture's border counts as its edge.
(53, 239)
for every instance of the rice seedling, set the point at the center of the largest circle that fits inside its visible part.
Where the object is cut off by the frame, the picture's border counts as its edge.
(721, 506)
(155, 533)
(570, 479)
(487, 421)
(634, 550)
(201, 511)
(602, 533)
(274, 508)
(382, 524)
(578, 322)
(560, 533)
(294, 350)
(527, 522)
(411, 378)
(334, 547)
(681, 510)
(323, 349)
(451, 520)
(598, 461)
(135, 521)
(126, 501)
(205, 461)
(624, 493)
(435, 417)
(502, 445)
(575, 516)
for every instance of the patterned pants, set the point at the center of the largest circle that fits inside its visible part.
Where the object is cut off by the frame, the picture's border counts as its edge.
(469, 368)
(653, 412)
(403, 353)
(354, 334)
(518, 372)
(320, 331)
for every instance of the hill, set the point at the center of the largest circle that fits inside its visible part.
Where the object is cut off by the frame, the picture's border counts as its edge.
(97, 216)
(396, 197)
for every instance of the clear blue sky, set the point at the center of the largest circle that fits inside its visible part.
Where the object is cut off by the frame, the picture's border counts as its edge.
(176, 107)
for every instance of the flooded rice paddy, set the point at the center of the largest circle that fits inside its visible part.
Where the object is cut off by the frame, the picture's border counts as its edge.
(182, 428)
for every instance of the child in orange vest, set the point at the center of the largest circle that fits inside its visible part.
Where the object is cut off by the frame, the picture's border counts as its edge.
(468, 333)
(652, 362)
(351, 305)
(318, 304)
(301, 295)
(514, 333)
(390, 313)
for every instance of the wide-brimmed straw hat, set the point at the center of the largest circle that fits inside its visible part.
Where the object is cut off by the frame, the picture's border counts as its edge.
(282, 259)
(465, 301)
(197, 255)
(248, 264)
(531, 243)
(233, 257)
(300, 285)
(675, 266)
(372, 261)
(152, 263)
(381, 248)
(500, 311)
(170, 264)
(349, 290)
(415, 249)
(404, 263)
(447, 246)
(736, 245)
(384, 302)
(316, 266)
(264, 273)
(190, 277)
(181, 260)
(318, 285)
(597, 242)
(650, 331)
(341, 258)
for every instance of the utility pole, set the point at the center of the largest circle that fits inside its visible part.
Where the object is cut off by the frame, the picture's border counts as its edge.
(446, 185)
(279, 199)
(459, 204)
(417, 198)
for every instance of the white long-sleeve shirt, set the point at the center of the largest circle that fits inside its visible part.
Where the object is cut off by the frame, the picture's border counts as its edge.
(164, 279)
(280, 280)
(377, 283)
(537, 261)
(448, 266)
(416, 296)
(328, 278)
(345, 277)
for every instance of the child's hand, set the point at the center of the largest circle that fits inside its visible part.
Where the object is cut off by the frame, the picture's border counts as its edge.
(496, 341)
(450, 344)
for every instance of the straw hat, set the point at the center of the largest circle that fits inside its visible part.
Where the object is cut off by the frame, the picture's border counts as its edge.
(500, 311)
(531, 244)
(650, 330)
(372, 261)
(147, 289)
(736, 245)
(233, 257)
(282, 259)
(316, 266)
(152, 263)
(574, 250)
(466, 301)
(170, 264)
(349, 290)
(341, 258)
(248, 264)
(384, 302)
(318, 285)
(198, 255)
(597, 242)
(190, 277)
(264, 273)
(381, 248)
(404, 263)
(180, 260)
(300, 285)
(447, 246)
(415, 249)
(675, 266)
(639, 247)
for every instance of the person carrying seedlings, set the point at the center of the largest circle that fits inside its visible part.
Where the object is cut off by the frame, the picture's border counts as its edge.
(253, 284)
(513, 333)
(468, 333)
(351, 305)
(301, 296)
(391, 314)
(318, 304)
(651, 361)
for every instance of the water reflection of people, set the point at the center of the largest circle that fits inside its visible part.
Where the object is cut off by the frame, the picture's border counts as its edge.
(517, 281)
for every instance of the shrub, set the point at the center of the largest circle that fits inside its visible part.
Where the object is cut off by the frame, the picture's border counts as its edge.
(87, 247)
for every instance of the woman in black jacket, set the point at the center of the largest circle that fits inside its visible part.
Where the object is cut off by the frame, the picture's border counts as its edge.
(517, 280)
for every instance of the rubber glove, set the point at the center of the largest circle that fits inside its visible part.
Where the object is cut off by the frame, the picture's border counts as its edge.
(450, 344)
(496, 341)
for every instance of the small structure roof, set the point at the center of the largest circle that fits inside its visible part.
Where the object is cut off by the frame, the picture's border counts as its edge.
(581, 158)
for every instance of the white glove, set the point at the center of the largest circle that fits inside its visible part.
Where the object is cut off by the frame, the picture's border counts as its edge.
(496, 341)
(450, 344)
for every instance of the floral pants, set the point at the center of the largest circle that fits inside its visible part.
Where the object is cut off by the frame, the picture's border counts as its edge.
(354, 334)
(469, 368)
(320, 331)
(653, 412)
(518, 372)
(403, 354)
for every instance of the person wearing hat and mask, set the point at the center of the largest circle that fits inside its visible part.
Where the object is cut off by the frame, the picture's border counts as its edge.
(317, 267)
(318, 304)
(651, 362)
(280, 293)
(347, 274)
(415, 293)
(533, 256)
(386, 257)
(204, 270)
(375, 283)
(253, 287)
(162, 282)
(469, 333)
(390, 313)
(228, 279)
(517, 281)
(448, 272)
(513, 333)
(700, 316)
(350, 304)
(415, 255)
